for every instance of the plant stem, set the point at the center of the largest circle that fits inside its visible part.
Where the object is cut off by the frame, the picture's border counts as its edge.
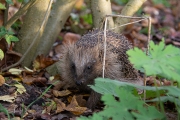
(158, 94)
(6, 14)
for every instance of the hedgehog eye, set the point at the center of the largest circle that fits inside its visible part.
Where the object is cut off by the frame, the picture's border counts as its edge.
(73, 66)
(88, 67)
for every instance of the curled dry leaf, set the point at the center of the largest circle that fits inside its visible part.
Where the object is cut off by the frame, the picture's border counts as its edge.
(42, 62)
(60, 105)
(61, 93)
(34, 80)
(80, 100)
(2, 80)
(75, 108)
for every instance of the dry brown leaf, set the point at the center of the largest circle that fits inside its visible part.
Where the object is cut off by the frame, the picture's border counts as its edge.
(34, 80)
(139, 36)
(79, 4)
(2, 80)
(42, 62)
(60, 105)
(61, 93)
(80, 100)
(74, 108)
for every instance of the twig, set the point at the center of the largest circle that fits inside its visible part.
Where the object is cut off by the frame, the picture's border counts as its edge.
(105, 27)
(149, 35)
(6, 13)
(20, 12)
(33, 41)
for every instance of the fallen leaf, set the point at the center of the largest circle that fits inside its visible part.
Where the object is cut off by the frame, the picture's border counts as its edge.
(60, 105)
(81, 101)
(2, 80)
(8, 98)
(29, 79)
(15, 71)
(61, 93)
(42, 62)
(20, 88)
(51, 106)
(74, 108)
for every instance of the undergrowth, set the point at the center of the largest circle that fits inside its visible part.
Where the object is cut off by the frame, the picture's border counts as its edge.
(162, 62)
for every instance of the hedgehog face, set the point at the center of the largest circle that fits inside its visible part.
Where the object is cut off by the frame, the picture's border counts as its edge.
(84, 66)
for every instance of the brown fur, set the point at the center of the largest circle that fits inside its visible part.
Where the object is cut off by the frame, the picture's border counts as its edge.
(82, 62)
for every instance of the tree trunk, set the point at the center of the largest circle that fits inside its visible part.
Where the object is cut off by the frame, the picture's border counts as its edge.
(101, 8)
(32, 22)
(131, 7)
(59, 14)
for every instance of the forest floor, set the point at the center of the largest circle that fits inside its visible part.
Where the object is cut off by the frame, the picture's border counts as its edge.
(32, 94)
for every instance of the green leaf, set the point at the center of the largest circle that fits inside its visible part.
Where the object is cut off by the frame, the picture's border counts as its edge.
(2, 6)
(1, 54)
(3, 31)
(110, 85)
(11, 38)
(10, 2)
(163, 61)
(147, 114)
(94, 117)
(165, 99)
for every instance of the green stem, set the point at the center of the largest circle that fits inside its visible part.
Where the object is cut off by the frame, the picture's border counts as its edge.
(158, 94)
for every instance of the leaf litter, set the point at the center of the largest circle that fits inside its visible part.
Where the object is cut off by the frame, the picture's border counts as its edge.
(59, 103)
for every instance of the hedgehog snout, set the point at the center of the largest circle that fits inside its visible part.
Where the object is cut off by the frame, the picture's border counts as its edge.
(80, 82)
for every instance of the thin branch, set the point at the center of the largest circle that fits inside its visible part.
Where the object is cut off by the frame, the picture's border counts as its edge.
(41, 27)
(6, 13)
(20, 12)
(105, 27)
(149, 34)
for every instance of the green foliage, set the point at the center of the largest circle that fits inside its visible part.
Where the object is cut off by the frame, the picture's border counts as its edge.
(163, 61)
(164, 2)
(127, 107)
(121, 2)
(2, 6)
(4, 110)
(87, 18)
(1, 54)
(145, 31)
(10, 2)
(8, 35)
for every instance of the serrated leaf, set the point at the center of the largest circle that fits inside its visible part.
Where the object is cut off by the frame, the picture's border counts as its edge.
(1, 54)
(110, 85)
(163, 61)
(2, 6)
(147, 114)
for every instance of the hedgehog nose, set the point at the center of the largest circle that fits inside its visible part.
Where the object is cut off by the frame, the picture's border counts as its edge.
(78, 82)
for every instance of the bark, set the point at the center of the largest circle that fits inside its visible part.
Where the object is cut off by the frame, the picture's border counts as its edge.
(59, 14)
(101, 8)
(20, 12)
(131, 7)
(32, 23)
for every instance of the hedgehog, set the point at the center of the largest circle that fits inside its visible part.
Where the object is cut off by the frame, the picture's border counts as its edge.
(82, 62)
